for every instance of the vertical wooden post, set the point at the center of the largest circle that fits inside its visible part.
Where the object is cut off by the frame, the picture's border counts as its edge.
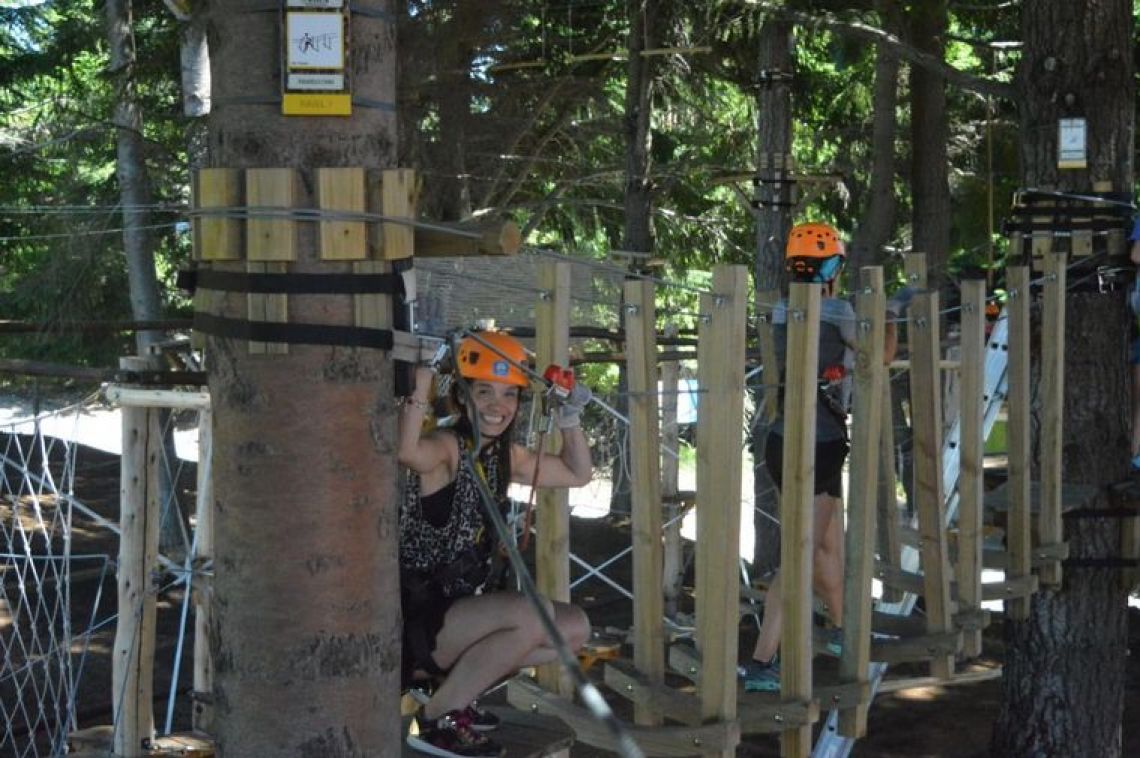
(133, 664)
(645, 480)
(1049, 529)
(889, 544)
(203, 715)
(867, 415)
(720, 427)
(552, 540)
(972, 451)
(670, 475)
(797, 496)
(1018, 519)
(342, 190)
(217, 238)
(926, 409)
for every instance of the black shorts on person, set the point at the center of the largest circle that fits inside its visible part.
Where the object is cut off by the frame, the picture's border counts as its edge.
(829, 458)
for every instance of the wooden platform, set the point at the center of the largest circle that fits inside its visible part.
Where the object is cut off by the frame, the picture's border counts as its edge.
(524, 735)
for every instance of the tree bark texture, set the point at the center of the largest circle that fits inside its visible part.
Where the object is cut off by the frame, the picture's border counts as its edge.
(1064, 675)
(774, 137)
(1063, 682)
(929, 173)
(878, 219)
(130, 169)
(306, 631)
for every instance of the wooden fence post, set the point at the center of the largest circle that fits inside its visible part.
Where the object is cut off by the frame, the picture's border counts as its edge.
(552, 539)
(862, 498)
(720, 431)
(1018, 520)
(971, 459)
(1049, 528)
(645, 481)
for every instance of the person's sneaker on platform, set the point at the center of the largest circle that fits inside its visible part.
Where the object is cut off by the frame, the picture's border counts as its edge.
(452, 735)
(760, 676)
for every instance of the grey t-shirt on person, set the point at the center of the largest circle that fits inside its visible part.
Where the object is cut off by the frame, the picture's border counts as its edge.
(836, 348)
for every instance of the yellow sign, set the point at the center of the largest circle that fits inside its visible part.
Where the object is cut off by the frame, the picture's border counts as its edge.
(316, 104)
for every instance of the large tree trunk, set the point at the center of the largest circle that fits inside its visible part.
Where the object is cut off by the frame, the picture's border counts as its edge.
(1064, 677)
(928, 130)
(306, 631)
(637, 234)
(774, 138)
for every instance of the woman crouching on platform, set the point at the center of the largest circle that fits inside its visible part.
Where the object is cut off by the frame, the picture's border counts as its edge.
(458, 630)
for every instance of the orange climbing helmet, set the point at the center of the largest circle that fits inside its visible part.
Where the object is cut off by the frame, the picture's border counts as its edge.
(815, 253)
(497, 363)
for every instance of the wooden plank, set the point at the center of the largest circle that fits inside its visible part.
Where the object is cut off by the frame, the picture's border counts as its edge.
(968, 568)
(645, 484)
(1017, 434)
(926, 409)
(796, 505)
(962, 677)
(132, 677)
(888, 532)
(203, 674)
(398, 199)
(552, 522)
(267, 307)
(914, 269)
(96, 741)
(719, 737)
(720, 428)
(492, 237)
(341, 191)
(930, 647)
(627, 681)
(217, 237)
(271, 236)
(1049, 529)
(862, 503)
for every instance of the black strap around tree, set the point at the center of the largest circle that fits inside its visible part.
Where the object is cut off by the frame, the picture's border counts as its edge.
(293, 334)
(290, 284)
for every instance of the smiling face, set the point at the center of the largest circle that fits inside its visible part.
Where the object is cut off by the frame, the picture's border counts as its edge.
(494, 407)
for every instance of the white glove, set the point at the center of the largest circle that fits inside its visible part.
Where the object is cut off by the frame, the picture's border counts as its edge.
(568, 413)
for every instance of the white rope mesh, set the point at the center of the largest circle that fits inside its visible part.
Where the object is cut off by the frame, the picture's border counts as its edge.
(37, 676)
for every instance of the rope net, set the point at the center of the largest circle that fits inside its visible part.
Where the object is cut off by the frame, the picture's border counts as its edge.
(37, 671)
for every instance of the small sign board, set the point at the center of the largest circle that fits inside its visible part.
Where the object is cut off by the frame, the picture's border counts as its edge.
(1072, 144)
(315, 78)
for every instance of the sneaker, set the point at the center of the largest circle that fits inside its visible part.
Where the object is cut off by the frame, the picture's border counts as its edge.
(759, 676)
(482, 720)
(450, 736)
(833, 641)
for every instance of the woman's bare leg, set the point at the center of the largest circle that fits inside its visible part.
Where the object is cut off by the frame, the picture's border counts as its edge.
(827, 563)
(487, 637)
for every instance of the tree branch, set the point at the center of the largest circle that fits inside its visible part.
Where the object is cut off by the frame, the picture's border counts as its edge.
(856, 30)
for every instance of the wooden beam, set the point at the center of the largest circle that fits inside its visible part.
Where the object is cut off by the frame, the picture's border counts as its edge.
(926, 409)
(203, 674)
(968, 568)
(398, 192)
(1018, 535)
(645, 483)
(552, 525)
(720, 427)
(477, 238)
(217, 237)
(271, 237)
(862, 502)
(628, 682)
(139, 512)
(796, 505)
(342, 190)
(673, 564)
(721, 737)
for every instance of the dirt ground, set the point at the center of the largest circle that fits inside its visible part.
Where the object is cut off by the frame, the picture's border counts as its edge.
(951, 722)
